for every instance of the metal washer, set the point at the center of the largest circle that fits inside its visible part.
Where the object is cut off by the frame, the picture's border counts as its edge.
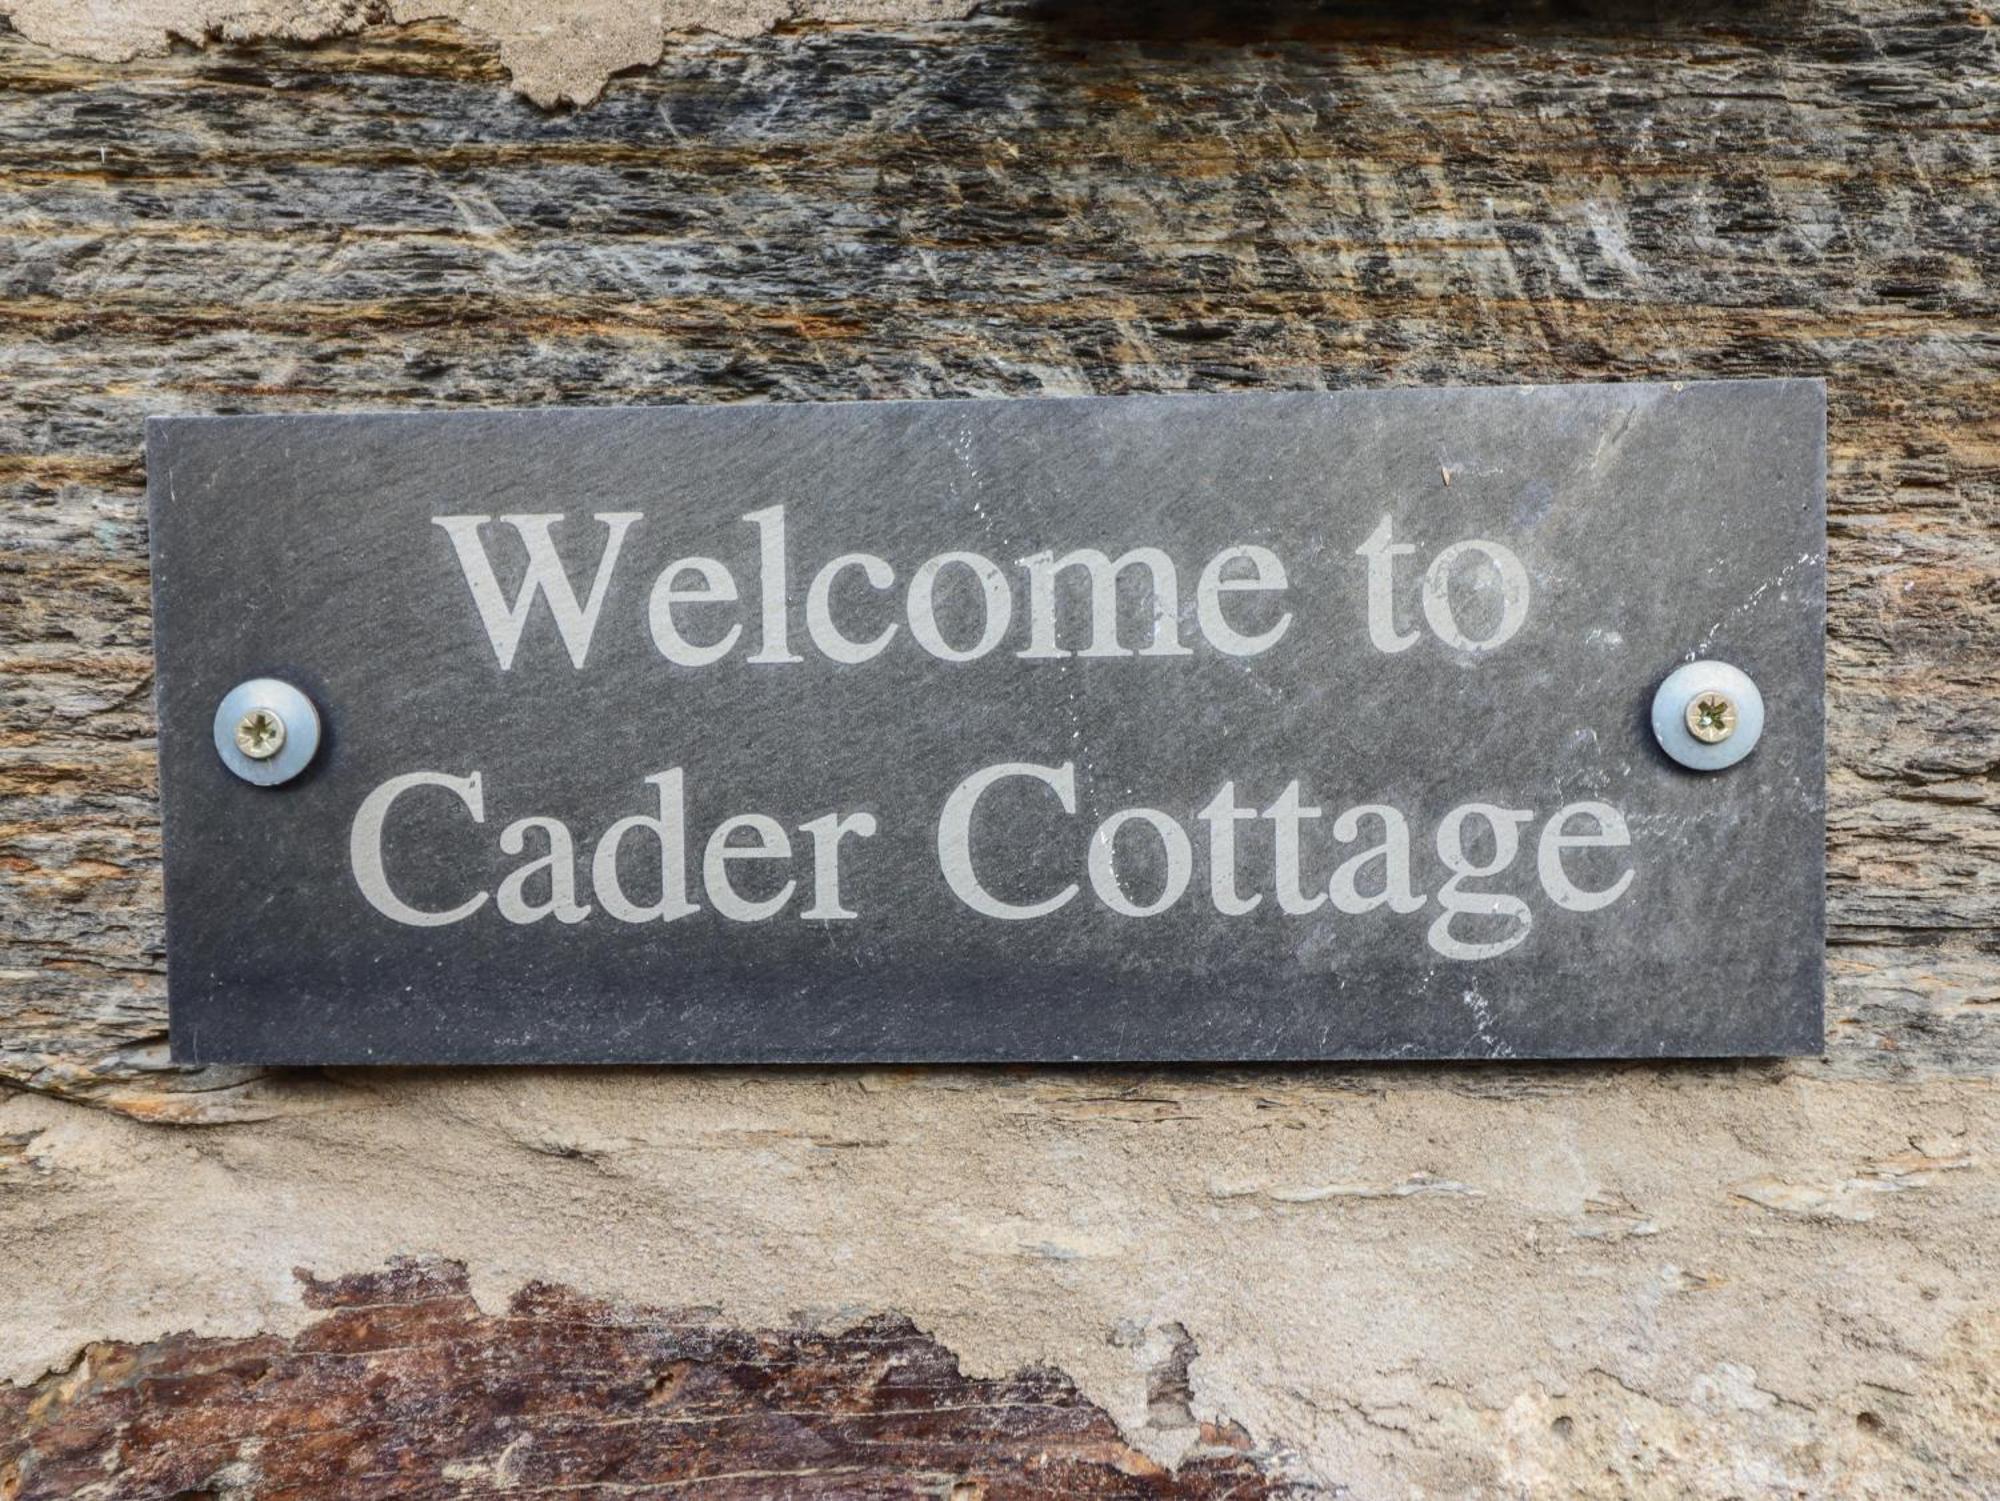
(301, 721)
(1685, 684)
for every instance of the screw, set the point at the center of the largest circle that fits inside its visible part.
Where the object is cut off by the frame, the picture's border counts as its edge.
(260, 734)
(265, 731)
(1707, 715)
(1711, 717)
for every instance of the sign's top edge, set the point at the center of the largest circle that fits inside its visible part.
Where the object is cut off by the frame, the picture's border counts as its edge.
(1348, 393)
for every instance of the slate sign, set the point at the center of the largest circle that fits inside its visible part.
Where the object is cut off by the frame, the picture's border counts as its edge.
(1274, 726)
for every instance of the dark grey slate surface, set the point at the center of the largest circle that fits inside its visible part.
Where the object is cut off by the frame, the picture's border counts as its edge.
(1654, 524)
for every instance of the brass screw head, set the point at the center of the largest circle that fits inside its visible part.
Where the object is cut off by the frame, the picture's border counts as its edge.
(1711, 717)
(260, 734)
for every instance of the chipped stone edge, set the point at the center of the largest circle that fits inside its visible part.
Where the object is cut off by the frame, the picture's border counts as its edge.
(555, 51)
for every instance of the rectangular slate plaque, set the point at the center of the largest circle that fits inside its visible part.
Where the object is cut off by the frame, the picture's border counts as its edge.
(1274, 726)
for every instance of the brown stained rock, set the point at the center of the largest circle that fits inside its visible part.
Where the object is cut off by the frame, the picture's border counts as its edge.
(406, 1389)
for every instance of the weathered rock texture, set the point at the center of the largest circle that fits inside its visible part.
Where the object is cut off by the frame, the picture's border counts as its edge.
(554, 50)
(405, 1388)
(1732, 1280)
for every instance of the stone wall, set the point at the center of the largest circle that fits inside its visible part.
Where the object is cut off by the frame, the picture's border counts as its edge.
(1731, 1279)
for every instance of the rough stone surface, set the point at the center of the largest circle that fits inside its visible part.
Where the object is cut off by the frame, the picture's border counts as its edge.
(405, 1388)
(555, 51)
(1718, 1281)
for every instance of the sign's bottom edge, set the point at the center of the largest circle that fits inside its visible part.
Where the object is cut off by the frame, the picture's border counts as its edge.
(910, 1060)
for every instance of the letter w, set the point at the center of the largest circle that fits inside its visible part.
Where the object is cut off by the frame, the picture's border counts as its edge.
(545, 575)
